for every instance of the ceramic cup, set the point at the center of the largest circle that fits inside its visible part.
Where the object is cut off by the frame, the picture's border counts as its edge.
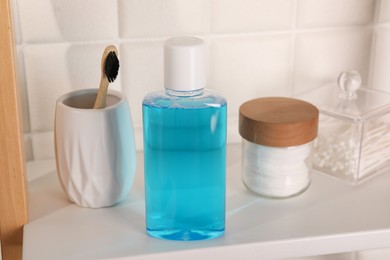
(94, 148)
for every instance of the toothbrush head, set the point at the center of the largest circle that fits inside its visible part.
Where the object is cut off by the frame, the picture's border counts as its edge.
(111, 66)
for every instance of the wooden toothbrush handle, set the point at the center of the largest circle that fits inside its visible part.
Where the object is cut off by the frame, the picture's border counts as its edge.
(100, 101)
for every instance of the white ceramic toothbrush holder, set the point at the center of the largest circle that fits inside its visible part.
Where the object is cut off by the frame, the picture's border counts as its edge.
(94, 148)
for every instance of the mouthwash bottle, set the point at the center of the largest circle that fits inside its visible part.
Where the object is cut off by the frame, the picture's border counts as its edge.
(185, 148)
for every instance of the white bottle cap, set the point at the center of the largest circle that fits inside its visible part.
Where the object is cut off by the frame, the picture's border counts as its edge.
(185, 63)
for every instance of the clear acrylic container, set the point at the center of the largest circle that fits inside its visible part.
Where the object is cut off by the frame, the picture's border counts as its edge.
(353, 142)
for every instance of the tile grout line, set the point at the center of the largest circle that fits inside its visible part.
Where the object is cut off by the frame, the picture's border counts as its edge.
(207, 34)
(293, 49)
(377, 12)
(28, 146)
(118, 40)
(22, 80)
(373, 50)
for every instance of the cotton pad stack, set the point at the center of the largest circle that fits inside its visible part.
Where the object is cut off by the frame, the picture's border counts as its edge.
(277, 139)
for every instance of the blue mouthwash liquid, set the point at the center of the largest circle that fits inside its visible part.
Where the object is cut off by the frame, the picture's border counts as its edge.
(185, 165)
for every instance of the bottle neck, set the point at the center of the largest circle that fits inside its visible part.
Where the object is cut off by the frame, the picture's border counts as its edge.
(189, 93)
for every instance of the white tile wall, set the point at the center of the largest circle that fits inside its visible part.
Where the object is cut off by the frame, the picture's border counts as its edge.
(384, 11)
(239, 72)
(381, 61)
(47, 77)
(160, 18)
(257, 48)
(23, 90)
(72, 20)
(142, 72)
(325, 13)
(251, 15)
(42, 143)
(321, 56)
(16, 22)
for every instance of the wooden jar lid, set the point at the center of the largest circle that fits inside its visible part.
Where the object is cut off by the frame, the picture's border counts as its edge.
(278, 121)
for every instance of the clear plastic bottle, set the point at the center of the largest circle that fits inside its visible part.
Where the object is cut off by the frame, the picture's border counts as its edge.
(185, 149)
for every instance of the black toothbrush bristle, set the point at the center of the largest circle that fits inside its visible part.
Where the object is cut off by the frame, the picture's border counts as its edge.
(111, 66)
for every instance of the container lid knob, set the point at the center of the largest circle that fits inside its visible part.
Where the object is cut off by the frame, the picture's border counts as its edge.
(349, 82)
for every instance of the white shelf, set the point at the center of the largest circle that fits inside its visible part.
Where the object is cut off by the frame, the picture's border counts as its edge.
(330, 217)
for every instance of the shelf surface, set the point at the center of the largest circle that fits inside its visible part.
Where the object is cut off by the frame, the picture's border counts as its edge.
(330, 217)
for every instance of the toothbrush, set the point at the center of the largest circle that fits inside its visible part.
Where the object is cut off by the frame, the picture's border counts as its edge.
(110, 67)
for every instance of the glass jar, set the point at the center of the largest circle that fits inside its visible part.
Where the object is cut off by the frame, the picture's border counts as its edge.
(277, 139)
